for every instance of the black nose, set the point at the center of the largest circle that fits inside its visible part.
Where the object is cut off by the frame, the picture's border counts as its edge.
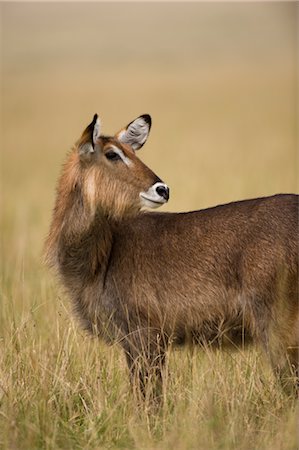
(163, 191)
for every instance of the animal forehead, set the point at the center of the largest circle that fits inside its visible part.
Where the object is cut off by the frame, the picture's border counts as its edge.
(108, 142)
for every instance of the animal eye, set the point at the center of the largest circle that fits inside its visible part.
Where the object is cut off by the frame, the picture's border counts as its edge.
(112, 156)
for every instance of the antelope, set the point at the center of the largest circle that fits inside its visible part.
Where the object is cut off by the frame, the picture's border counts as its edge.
(224, 276)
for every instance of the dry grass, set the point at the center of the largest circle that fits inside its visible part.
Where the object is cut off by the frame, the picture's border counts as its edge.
(60, 389)
(220, 85)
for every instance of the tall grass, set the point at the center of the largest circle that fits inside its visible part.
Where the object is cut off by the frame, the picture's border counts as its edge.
(224, 128)
(61, 389)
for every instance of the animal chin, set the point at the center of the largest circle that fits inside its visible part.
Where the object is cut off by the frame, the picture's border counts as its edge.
(149, 202)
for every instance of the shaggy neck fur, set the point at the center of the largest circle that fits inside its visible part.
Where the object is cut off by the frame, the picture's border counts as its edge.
(80, 238)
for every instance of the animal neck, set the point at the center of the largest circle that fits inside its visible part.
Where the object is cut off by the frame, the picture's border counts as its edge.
(83, 251)
(80, 240)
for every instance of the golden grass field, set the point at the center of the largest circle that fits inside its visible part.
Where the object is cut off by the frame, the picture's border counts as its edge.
(220, 83)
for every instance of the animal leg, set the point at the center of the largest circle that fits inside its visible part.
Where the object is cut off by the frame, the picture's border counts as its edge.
(146, 361)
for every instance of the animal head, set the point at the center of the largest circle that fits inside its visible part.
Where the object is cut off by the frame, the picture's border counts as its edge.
(112, 177)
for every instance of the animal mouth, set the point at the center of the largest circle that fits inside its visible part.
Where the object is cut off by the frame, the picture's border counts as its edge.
(149, 199)
(155, 196)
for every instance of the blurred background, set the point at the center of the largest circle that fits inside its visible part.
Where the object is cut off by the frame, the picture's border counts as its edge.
(219, 80)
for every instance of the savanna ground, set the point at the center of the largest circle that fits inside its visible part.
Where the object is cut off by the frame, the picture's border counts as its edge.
(220, 83)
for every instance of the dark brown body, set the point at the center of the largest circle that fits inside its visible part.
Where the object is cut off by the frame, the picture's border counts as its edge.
(221, 268)
(223, 275)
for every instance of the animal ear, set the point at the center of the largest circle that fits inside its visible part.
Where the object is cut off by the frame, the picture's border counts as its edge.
(136, 133)
(89, 137)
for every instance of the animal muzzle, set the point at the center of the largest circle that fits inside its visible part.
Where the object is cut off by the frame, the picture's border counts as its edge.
(155, 196)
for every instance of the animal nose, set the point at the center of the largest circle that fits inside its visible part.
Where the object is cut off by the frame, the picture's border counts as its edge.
(163, 191)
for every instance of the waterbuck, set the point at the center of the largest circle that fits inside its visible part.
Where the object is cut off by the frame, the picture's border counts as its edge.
(223, 275)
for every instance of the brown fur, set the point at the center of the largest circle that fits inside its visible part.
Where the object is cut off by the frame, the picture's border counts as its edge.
(224, 275)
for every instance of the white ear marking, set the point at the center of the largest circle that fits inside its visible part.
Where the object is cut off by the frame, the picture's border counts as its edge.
(90, 137)
(96, 130)
(136, 132)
